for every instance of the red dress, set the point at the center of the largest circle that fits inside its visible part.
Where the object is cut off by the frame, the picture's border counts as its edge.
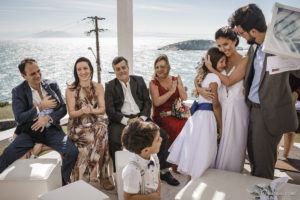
(170, 124)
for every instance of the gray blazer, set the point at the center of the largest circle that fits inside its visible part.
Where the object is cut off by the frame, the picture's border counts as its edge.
(275, 97)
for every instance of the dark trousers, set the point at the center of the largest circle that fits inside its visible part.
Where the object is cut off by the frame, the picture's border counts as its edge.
(54, 138)
(114, 140)
(262, 146)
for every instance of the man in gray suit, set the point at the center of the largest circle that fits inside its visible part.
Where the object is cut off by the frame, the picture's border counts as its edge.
(127, 100)
(272, 111)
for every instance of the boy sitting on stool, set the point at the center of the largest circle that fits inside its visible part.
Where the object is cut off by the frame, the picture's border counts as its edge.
(141, 175)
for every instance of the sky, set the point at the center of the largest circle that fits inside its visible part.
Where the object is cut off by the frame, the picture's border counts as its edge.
(24, 18)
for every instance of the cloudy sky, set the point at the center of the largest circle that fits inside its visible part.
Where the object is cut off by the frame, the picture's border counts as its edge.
(22, 18)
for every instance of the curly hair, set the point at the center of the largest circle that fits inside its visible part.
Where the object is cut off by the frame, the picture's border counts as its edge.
(139, 135)
(202, 70)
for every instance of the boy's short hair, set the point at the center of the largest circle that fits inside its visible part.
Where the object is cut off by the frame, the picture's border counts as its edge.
(139, 135)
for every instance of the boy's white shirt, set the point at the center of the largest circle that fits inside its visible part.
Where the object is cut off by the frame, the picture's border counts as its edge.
(132, 177)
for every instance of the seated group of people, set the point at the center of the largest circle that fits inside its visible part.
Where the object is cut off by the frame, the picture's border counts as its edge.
(86, 149)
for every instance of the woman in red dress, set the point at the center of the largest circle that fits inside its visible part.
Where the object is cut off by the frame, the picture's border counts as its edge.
(164, 90)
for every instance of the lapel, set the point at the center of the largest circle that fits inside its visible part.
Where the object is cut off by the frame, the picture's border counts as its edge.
(28, 93)
(264, 68)
(49, 90)
(119, 90)
(133, 88)
(250, 70)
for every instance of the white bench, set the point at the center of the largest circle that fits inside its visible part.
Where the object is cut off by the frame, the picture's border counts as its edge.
(224, 185)
(78, 190)
(26, 179)
(122, 159)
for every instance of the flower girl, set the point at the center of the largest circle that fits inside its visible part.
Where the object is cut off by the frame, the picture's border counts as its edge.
(195, 148)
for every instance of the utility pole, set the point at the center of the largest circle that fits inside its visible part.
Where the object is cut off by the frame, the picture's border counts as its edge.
(96, 30)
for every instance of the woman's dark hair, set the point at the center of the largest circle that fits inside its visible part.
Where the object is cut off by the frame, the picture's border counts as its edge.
(75, 84)
(249, 17)
(228, 33)
(138, 135)
(215, 55)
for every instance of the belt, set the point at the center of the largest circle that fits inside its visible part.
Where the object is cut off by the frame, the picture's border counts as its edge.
(201, 106)
(132, 116)
(255, 105)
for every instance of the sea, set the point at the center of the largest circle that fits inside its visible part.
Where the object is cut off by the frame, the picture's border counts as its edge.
(56, 58)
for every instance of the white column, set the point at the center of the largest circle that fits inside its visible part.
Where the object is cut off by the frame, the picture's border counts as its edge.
(125, 31)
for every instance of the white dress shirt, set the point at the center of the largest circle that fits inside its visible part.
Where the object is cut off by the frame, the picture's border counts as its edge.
(129, 107)
(36, 99)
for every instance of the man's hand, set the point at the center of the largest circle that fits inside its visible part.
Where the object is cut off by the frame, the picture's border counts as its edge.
(47, 103)
(134, 120)
(40, 123)
(295, 96)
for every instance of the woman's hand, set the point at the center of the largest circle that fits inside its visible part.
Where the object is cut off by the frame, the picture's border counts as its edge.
(208, 63)
(206, 93)
(179, 81)
(173, 88)
(86, 108)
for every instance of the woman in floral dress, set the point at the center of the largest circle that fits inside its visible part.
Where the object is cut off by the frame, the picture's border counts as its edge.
(86, 127)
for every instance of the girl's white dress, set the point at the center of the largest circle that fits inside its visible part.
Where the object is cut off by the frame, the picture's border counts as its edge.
(195, 148)
(235, 119)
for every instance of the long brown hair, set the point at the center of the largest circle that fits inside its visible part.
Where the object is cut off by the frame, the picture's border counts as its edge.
(202, 70)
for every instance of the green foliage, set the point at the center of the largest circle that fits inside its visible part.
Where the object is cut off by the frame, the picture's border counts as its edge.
(3, 104)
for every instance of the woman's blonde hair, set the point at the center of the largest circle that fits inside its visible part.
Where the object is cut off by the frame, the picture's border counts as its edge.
(160, 58)
(202, 71)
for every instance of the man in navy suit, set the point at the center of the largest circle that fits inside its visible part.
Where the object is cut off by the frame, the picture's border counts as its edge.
(28, 99)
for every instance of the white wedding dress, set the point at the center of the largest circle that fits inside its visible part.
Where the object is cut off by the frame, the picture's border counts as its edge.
(235, 119)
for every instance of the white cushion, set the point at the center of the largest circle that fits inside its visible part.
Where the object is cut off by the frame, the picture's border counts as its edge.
(27, 178)
(122, 159)
(224, 185)
(78, 190)
(52, 155)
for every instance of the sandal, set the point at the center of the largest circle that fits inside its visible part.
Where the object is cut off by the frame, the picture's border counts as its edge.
(106, 184)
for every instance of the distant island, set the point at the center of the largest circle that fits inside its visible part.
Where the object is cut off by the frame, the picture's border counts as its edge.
(190, 45)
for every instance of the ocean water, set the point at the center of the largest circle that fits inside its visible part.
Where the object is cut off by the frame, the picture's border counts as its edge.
(56, 58)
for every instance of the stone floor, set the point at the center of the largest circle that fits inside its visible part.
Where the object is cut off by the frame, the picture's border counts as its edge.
(169, 192)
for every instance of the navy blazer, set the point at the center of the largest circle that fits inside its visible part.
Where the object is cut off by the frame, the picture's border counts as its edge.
(114, 98)
(22, 103)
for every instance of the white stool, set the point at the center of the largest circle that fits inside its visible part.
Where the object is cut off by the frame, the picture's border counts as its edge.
(26, 179)
(122, 159)
(78, 190)
(225, 185)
